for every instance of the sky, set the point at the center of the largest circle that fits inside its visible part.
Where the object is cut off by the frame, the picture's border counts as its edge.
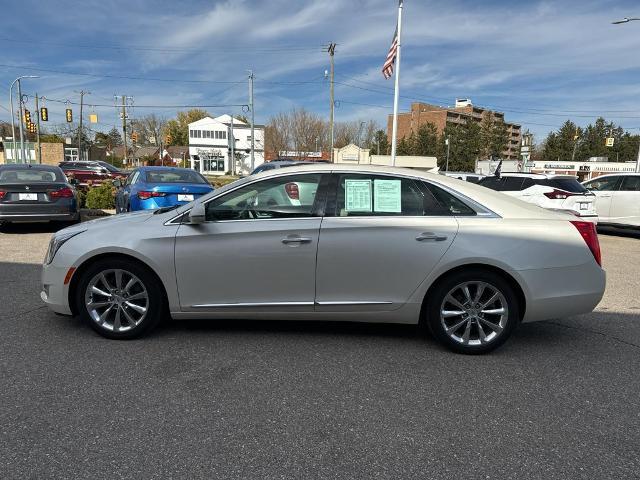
(540, 62)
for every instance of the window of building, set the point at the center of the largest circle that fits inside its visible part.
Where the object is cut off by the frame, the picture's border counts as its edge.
(191, 134)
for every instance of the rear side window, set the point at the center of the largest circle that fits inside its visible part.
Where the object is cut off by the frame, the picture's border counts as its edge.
(447, 203)
(631, 184)
(503, 184)
(603, 184)
(567, 184)
(361, 195)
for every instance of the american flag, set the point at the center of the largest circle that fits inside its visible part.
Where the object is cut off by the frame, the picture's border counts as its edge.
(387, 68)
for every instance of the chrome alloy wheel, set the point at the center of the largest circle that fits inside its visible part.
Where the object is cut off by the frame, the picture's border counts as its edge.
(116, 300)
(474, 313)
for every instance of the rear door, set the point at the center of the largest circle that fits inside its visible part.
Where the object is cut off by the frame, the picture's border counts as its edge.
(603, 188)
(381, 236)
(625, 202)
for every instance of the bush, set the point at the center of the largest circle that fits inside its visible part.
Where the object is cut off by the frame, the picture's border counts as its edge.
(101, 196)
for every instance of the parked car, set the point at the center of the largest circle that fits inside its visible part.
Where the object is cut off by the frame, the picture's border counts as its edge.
(466, 176)
(374, 244)
(617, 199)
(554, 192)
(149, 188)
(282, 164)
(94, 172)
(36, 193)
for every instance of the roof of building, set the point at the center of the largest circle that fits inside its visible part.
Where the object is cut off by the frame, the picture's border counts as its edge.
(146, 152)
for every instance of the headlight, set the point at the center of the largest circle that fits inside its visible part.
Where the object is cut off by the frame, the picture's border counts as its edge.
(56, 242)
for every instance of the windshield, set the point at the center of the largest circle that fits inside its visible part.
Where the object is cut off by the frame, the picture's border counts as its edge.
(108, 166)
(31, 175)
(173, 176)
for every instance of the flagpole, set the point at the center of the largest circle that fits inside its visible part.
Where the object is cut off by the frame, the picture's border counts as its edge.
(396, 94)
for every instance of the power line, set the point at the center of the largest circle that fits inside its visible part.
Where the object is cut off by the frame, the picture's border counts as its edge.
(147, 48)
(124, 77)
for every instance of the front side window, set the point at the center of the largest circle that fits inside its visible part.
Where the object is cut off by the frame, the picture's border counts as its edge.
(293, 196)
(603, 184)
(631, 184)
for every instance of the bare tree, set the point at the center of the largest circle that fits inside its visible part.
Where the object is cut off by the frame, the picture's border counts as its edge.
(150, 129)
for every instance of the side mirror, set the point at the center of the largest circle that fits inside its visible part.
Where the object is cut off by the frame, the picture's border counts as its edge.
(197, 214)
(117, 183)
(74, 182)
(104, 170)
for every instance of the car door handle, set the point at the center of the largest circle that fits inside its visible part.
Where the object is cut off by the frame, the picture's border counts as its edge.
(605, 195)
(295, 240)
(430, 237)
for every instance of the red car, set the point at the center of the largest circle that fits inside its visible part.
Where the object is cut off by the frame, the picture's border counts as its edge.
(94, 172)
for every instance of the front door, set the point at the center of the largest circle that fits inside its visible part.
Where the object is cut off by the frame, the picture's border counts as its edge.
(604, 188)
(256, 250)
(625, 203)
(380, 238)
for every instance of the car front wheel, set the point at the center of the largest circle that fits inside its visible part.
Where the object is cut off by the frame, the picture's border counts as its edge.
(120, 299)
(473, 312)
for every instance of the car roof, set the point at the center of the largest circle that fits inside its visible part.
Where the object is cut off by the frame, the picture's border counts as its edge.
(25, 166)
(614, 174)
(144, 169)
(534, 175)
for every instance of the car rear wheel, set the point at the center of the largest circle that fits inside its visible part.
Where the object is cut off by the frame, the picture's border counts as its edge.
(472, 312)
(120, 299)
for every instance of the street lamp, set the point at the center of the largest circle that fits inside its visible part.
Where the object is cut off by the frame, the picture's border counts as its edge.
(625, 20)
(618, 22)
(13, 125)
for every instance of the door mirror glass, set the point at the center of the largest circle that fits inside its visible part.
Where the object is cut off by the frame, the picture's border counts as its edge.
(197, 214)
(117, 183)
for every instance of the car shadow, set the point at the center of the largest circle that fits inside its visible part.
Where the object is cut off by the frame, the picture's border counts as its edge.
(26, 228)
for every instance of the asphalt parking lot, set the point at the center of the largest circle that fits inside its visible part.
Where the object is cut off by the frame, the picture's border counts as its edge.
(315, 400)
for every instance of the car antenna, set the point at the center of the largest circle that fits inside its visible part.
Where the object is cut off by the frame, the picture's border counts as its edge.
(498, 171)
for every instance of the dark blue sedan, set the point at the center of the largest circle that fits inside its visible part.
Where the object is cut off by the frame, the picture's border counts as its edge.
(149, 188)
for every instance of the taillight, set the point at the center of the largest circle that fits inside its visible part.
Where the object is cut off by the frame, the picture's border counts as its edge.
(64, 192)
(147, 195)
(2, 194)
(590, 236)
(556, 194)
(292, 190)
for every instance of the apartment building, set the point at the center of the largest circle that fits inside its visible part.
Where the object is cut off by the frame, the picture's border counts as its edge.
(463, 111)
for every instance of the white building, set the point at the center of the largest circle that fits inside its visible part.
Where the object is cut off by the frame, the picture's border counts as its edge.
(210, 145)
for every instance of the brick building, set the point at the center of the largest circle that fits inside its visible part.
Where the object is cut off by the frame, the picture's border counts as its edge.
(463, 112)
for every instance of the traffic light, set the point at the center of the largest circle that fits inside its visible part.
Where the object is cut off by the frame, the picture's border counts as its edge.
(27, 116)
(44, 114)
(69, 115)
(134, 136)
(167, 139)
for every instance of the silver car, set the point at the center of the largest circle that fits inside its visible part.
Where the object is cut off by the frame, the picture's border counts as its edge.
(370, 245)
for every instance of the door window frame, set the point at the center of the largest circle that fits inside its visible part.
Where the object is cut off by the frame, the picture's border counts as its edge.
(423, 185)
(317, 210)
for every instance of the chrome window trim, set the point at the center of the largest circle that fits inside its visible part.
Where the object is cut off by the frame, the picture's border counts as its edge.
(254, 304)
(481, 210)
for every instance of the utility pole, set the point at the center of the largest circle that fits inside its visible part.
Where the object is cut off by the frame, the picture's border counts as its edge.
(123, 115)
(232, 149)
(448, 141)
(332, 51)
(253, 118)
(38, 150)
(82, 94)
(22, 156)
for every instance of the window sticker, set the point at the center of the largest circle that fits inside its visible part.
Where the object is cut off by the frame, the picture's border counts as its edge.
(387, 196)
(357, 195)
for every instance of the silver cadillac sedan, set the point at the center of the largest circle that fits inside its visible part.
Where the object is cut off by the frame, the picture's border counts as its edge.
(332, 242)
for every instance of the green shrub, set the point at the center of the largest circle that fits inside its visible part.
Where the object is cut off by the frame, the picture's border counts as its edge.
(82, 197)
(101, 196)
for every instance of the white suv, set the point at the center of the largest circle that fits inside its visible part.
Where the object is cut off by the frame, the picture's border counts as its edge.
(554, 192)
(617, 198)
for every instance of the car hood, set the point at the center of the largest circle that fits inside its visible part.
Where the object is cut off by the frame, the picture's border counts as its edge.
(113, 221)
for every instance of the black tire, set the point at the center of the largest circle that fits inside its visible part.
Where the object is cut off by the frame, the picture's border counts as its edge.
(156, 306)
(474, 278)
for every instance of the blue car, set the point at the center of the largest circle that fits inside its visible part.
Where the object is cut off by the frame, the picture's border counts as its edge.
(150, 188)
